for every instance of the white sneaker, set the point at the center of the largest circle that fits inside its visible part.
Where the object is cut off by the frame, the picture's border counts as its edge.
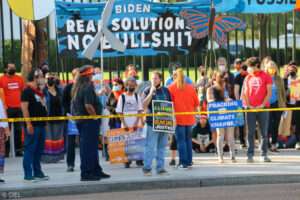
(297, 147)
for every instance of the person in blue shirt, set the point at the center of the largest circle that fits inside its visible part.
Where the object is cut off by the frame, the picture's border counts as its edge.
(277, 100)
(172, 70)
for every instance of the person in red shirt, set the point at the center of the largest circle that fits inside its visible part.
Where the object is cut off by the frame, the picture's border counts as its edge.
(13, 86)
(256, 94)
(185, 99)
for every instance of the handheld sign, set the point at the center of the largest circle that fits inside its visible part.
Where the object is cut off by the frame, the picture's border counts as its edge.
(166, 122)
(225, 119)
(124, 146)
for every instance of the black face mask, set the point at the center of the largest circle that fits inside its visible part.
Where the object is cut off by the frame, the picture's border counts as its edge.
(51, 82)
(130, 89)
(57, 82)
(293, 74)
(11, 71)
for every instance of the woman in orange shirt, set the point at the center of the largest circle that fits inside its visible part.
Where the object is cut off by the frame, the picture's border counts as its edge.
(185, 99)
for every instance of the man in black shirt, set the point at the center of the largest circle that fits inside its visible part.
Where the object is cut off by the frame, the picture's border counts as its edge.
(238, 86)
(202, 137)
(34, 105)
(85, 102)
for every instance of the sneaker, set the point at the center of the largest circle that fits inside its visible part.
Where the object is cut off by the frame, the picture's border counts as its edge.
(162, 172)
(220, 160)
(297, 147)
(104, 175)
(250, 160)
(91, 178)
(233, 160)
(147, 172)
(70, 169)
(182, 167)
(30, 180)
(265, 159)
(127, 165)
(42, 178)
(172, 162)
(139, 163)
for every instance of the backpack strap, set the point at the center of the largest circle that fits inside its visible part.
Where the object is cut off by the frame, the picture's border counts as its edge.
(123, 102)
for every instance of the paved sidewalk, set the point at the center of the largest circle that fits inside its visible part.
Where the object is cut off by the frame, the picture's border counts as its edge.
(285, 168)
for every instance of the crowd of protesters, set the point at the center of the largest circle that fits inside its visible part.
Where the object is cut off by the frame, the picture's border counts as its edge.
(258, 84)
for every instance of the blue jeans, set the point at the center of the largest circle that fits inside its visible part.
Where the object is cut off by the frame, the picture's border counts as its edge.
(89, 139)
(184, 144)
(33, 150)
(263, 121)
(155, 147)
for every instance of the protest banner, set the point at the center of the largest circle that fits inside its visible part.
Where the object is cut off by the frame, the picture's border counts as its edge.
(124, 146)
(146, 28)
(164, 123)
(226, 119)
(254, 6)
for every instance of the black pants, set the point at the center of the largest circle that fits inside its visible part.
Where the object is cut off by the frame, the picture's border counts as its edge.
(89, 156)
(296, 121)
(71, 146)
(15, 113)
(274, 120)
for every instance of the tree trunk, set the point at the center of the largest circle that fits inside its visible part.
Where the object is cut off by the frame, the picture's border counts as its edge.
(263, 50)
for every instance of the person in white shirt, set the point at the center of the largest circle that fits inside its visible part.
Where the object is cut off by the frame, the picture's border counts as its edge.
(130, 103)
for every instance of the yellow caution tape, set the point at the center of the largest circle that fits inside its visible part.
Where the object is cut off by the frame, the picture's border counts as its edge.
(64, 118)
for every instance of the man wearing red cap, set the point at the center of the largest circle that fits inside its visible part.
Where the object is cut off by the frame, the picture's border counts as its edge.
(85, 102)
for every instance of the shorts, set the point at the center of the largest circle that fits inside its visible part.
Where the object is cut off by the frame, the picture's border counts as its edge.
(173, 145)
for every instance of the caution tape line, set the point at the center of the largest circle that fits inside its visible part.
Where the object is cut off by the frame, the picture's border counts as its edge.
(64, 118)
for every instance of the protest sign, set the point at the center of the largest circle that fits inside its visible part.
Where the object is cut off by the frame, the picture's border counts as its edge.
(226, 119)
(124, 146)
(146, 28)
(295, 91)
(165, 123)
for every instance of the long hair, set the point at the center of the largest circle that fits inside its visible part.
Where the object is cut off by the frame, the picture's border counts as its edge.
(80, 83)
(179, 78)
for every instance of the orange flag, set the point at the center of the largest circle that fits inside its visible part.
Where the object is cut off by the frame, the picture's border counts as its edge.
(297, 5)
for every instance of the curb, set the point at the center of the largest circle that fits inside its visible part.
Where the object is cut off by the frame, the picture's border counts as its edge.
(166, 183)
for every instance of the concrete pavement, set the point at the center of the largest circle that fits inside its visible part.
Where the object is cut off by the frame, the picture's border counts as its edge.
(285, 168)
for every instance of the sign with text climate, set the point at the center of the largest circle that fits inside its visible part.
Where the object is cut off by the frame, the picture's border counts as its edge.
(146, 28)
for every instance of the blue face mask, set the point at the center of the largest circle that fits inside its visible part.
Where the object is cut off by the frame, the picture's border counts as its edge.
(116, 88)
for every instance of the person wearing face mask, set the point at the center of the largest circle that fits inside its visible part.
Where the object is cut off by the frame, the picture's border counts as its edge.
(228, 76)
(13, 85)
(256, 93)
(34, 105)
(291, 79)
(130, 103)
(117, 90)
(238, 85)
(237, 66)
(156, 142)
(86, 103)
(277, 100)
(217, 93)
(54, 145)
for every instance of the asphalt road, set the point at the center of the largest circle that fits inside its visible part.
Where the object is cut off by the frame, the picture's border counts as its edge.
(252, 192)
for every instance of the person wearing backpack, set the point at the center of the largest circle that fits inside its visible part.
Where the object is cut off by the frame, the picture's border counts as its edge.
(130, 103)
